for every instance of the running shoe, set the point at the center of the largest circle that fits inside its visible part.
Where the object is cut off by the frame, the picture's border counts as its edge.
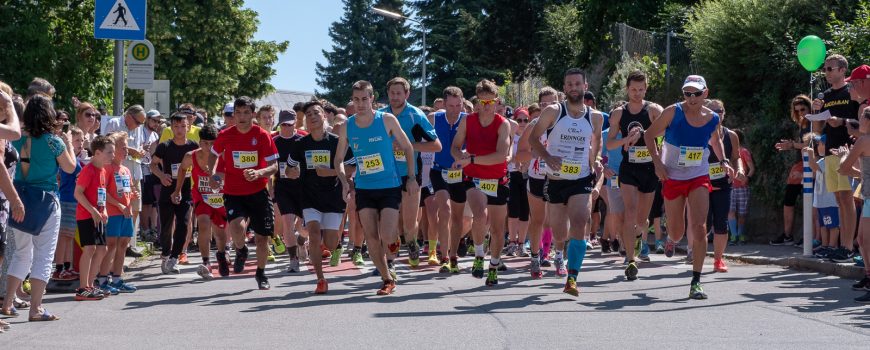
(241, 258)
(605, 246)
(638, 245)
(293, 266)
(670, 247)
(122, 286)
(433, 258)
(502, 267)
(262, 282)
(358, 259)
(172, 265)
(560, 267)
(387, 288)
(271, 256)
(631, 271)
(278, 244)
(325, 253)
(571, 287)
(782, 240)
(391, 268)
(822, 252)
(859, 260)
(223, 264)
(545, 262)
(689, 257)
(614, 245)
(510, 249)
(413, 254)
(589, 245)
(697, 292)
(522, 251)
(66, 275)
(660, 247)
(477, 268)
(799, 243)
(55, 275)
(204, 272)
(454, 266)
(492, 277)
(644, 252)
(719, 265)
(336, 256)
(83, 294)
(108, 289)
(163, 267)
(445, 266)
(182, 259)
(841, 255)
(864, 299)
(535, 269)
(322, 287)
(862, 285)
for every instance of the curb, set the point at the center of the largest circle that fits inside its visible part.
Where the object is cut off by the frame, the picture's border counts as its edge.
(849, 271)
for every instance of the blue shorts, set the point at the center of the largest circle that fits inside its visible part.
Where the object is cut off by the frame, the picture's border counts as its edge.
(865, 211)
(119, 226)
(829, 217)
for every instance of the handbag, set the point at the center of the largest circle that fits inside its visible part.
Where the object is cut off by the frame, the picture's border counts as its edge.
(40, 204)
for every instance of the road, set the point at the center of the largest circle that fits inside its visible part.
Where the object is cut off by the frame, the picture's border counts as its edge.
(750, 307)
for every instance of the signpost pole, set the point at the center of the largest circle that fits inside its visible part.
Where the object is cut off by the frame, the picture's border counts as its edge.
(118, 99)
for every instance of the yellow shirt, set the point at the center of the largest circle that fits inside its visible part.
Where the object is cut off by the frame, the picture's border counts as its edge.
(192, 134)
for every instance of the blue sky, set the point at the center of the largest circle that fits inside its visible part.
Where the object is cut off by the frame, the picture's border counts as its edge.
(305, 24)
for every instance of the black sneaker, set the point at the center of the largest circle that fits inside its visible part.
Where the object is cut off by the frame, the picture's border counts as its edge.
(605, 246)
(799, 243)
(223, 264)
(865, 299)
(263, 282)
(614, 245)
(863, 285)
(462, 251)
(782, 240)
(241, 258)
(841, 255)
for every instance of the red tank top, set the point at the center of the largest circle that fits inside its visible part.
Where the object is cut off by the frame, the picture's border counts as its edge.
(201, 183)
(480, 141)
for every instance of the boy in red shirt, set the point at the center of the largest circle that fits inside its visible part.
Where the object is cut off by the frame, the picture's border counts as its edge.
(91, 216)
(119, 229)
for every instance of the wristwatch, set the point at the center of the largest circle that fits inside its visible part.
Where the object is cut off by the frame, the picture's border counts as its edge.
(472, 159)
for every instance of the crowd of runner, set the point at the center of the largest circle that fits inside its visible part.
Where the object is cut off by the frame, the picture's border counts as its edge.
(467, 176)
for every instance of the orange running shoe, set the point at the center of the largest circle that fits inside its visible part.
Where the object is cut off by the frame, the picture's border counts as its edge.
(183, 259)
(322, 287)
(387, 288)
(719, 265)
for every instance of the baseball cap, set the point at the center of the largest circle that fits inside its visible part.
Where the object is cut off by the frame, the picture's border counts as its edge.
(521, 111)
(187, 111)
(287, 117)
(695, 81)
(228, 108)
(860, 73)
(154, 114)
(589, 96)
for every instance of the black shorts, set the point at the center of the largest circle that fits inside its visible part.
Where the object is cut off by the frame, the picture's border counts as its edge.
(720, 203)
(378, 199)
(257, 208)
(425, 192)
(417, 177)
(502, 193)
(792, 193)
(559, 191)
(150, 190)
(657, 208)
(597, 205)
(456, 191)
(643, 176)
(90, 233)
(518, 202)
(536, 188)
(288, 200)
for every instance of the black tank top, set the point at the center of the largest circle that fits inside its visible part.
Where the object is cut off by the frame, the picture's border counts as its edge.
(627, 119)
(722, 182)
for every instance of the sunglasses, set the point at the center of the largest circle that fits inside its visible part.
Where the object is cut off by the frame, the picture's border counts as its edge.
(800, 110)
(93, 114)
(488, 102)
(693, 94)
(522, 120)
(719, 111)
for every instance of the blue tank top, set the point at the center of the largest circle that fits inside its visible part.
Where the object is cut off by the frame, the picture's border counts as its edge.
(685, 152)
(446, 133)
(373, 149)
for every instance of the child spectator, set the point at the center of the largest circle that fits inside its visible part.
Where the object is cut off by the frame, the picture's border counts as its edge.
(91, 216)
(119, 229)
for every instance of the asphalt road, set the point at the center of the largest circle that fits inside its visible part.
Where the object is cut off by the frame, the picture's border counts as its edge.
(750, 307)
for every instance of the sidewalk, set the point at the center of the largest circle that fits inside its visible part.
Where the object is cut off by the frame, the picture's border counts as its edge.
(787, 256)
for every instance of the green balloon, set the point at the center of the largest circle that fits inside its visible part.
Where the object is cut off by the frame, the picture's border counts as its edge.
(811, 52)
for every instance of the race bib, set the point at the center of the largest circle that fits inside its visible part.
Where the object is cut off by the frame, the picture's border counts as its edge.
(214, 200)
(452, 176)
(400, 156)
(614, 182)
(101, 197)
(570, 170)
(716, 171)
(370, 164)
(175, 170)
(690, 156)
(203, 184)
(639, 155)
(244, 159)
(487, 186)
(282, 167)
(122, 184)
(317, 159)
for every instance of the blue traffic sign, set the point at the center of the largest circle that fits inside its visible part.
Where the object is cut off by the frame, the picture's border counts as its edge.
(120, 19)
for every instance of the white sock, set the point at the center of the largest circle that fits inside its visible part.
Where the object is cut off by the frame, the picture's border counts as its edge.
(494, 262)
(479, 251)
(558, 254)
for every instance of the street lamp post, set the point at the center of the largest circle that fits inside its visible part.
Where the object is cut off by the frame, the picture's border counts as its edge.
(393, 15)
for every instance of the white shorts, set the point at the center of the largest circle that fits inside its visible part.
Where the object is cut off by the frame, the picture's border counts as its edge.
(328, 221)
(615, 204)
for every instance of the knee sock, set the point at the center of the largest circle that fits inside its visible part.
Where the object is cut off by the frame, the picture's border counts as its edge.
(696, 277)
(546, 239)
(576, 253)
(732, 226)
(742, 229)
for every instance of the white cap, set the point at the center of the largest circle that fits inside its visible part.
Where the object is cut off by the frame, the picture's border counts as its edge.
(228, 108)
(695, 81)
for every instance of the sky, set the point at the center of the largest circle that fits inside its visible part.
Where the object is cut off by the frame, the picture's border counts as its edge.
(305, 24)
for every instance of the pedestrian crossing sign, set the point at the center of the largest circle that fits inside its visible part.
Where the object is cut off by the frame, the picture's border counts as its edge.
(120, 19)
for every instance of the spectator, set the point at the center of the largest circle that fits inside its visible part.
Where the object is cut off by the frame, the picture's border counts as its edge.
(740, 192)
(43, 149)
(9, 129)
(800, 107)
(131, 124)
(86, 119)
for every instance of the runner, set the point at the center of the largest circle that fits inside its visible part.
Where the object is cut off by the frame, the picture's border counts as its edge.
(287, 191)
(684, 169)
(538, 224)
(208, 205)
(573, 133)
(481, 149)
(518, 203)
(447, 182)
(422, 135)
(613, 222)
(174, 206)
(720, 197)
(252, 154)
(637, 181)
(322, 203)
(861, 151)
(119, 226)
(376, 186)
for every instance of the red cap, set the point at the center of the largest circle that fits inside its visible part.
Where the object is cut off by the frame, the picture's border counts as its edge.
(521, 110)
(860, 73)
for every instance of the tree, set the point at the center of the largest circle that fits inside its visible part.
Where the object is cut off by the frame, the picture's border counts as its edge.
(365, 46)
(850, 38)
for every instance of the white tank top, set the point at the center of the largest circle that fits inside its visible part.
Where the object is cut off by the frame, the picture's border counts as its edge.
(512, 166)
(570, 138)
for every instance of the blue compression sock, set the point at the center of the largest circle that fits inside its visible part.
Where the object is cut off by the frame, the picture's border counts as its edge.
(576, 253)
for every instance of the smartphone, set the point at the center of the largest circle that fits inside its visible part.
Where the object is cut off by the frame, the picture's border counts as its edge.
(66, 127)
